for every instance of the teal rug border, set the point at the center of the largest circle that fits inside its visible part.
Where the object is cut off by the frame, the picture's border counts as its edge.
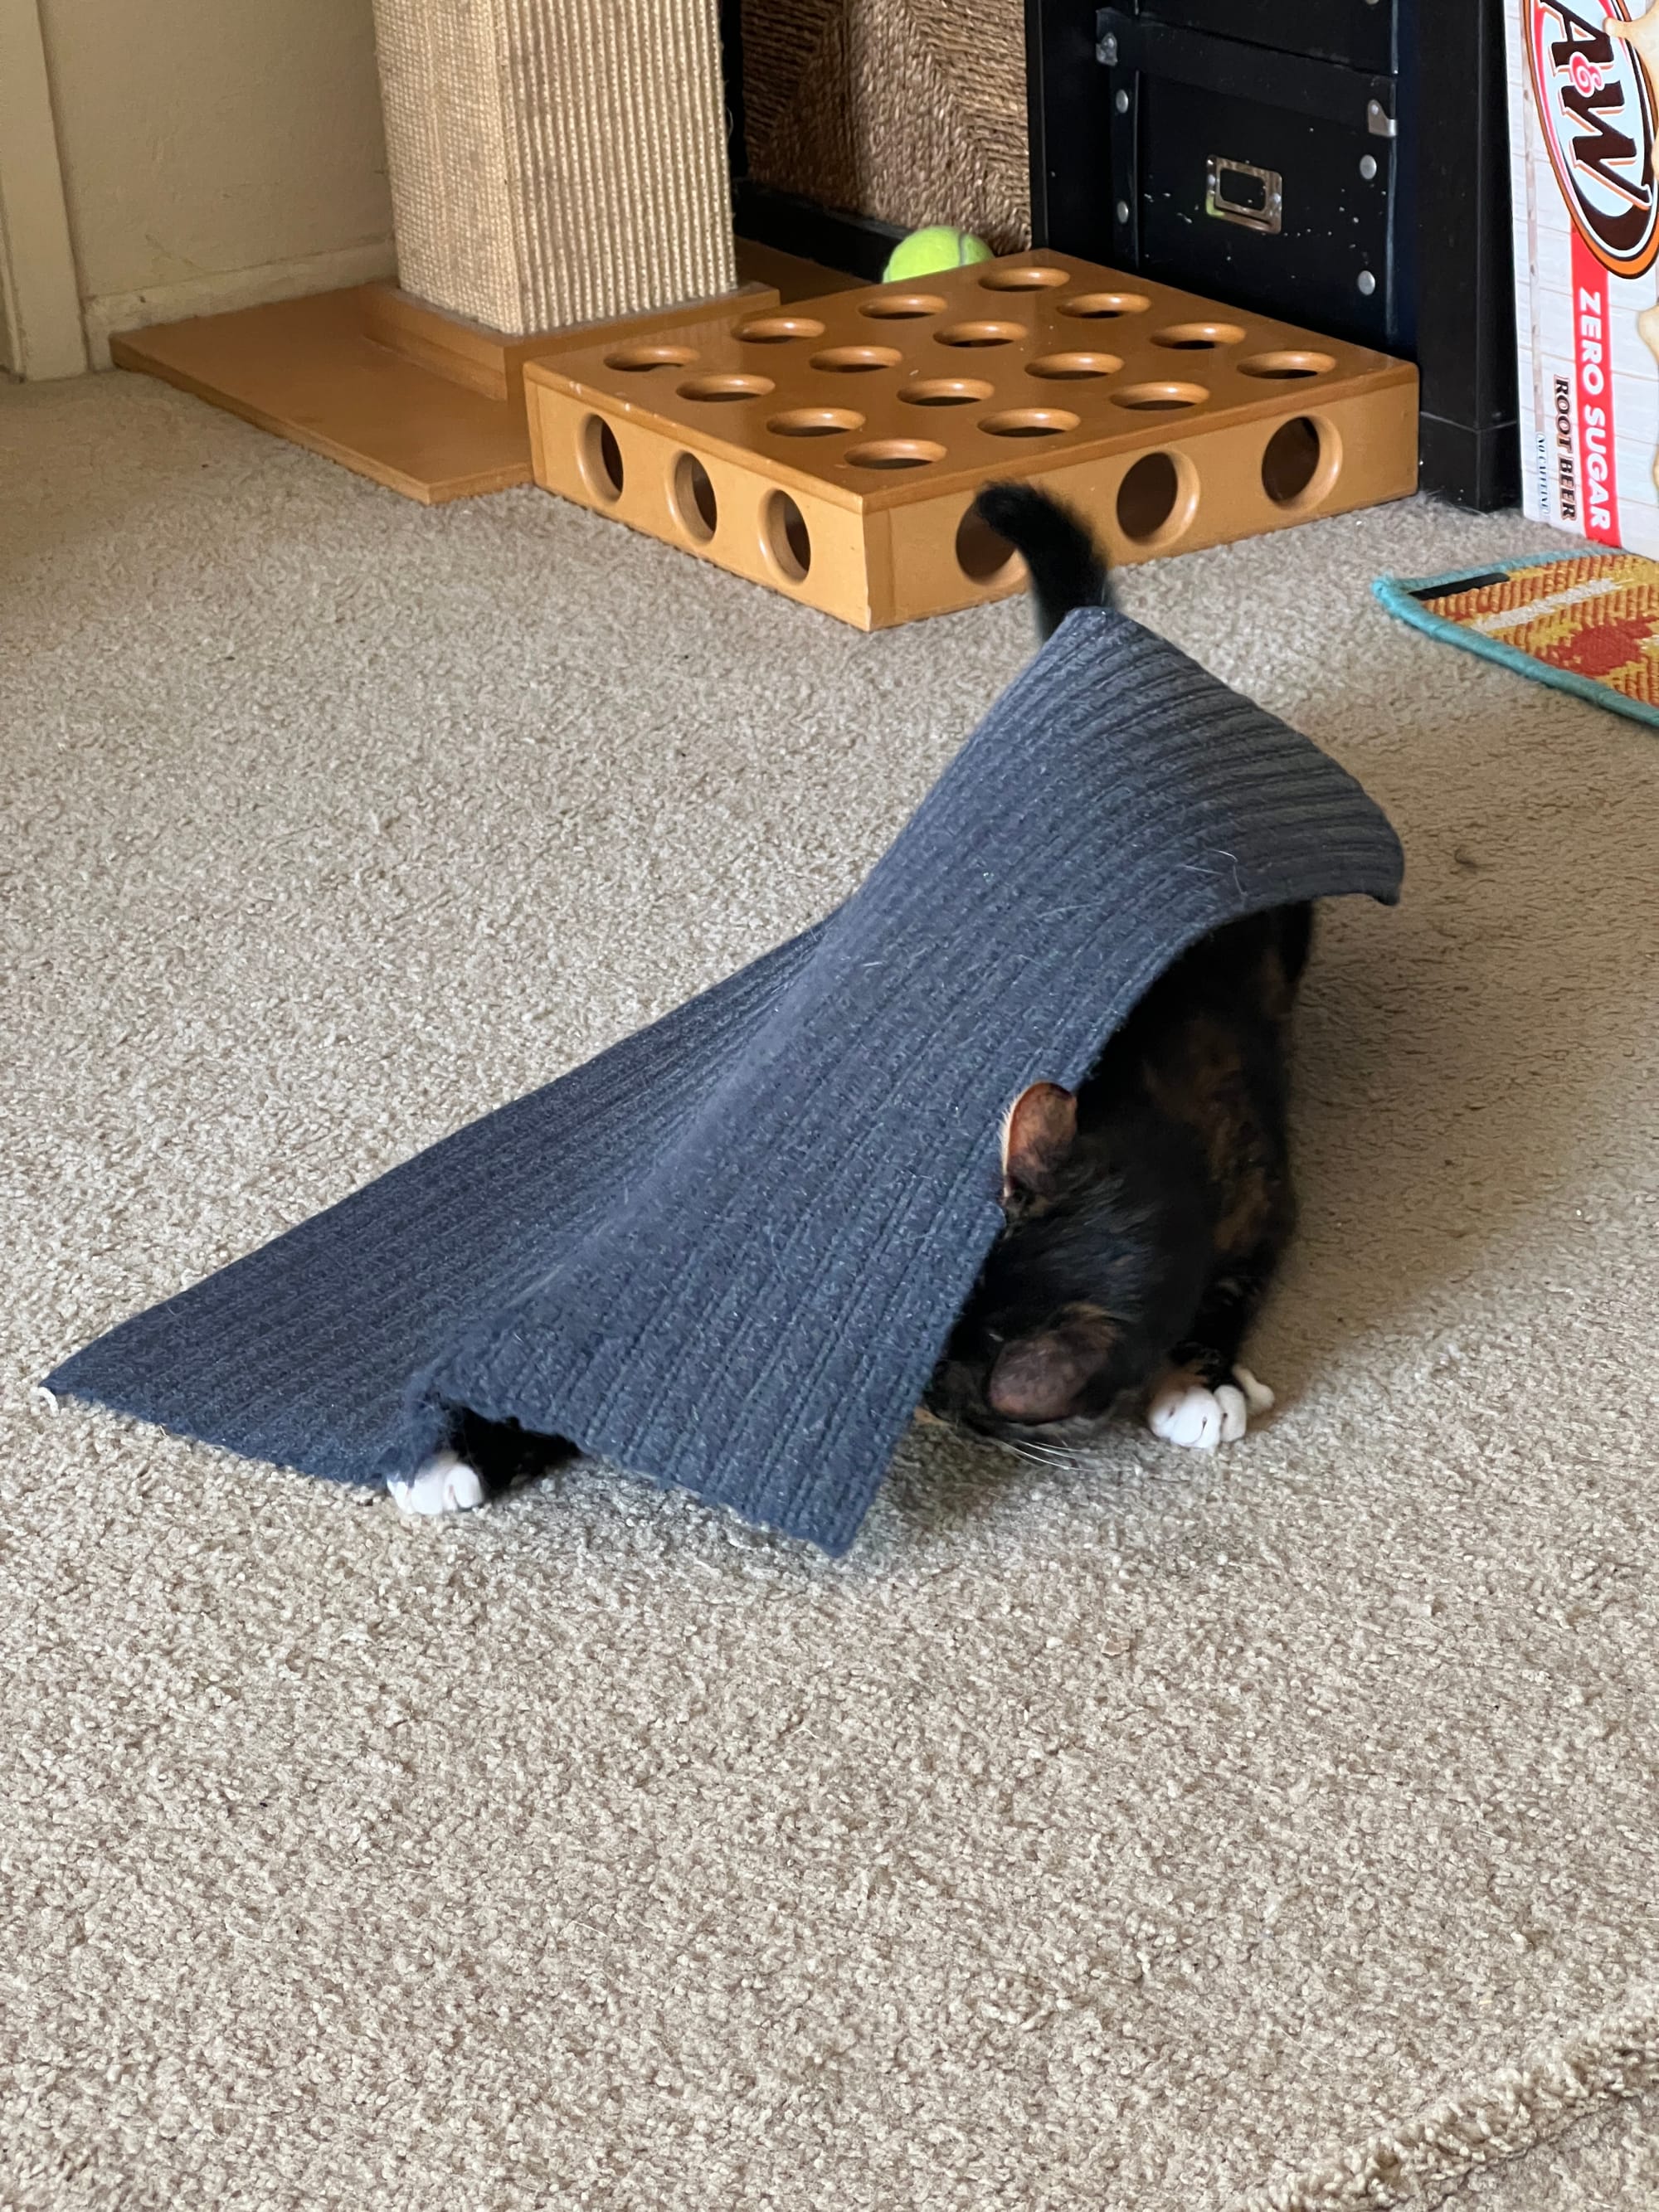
(1395, 592)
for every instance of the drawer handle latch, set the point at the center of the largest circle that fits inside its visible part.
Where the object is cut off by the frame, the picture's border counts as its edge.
(1237, 191)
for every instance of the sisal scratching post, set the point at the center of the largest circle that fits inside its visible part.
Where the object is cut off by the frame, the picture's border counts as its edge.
(557, 162)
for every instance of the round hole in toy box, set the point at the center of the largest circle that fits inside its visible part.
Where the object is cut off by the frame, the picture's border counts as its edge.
(1199, 338)
(857, 361)
(784, 539)
(1029, 423)
(1102, 307)
(1028, 277)
(815, 423)
(599, 459)
(691, 495)
(902, 307)
(725, 388)
(1073, 367)
(1159, 398)
(945, 391)
(980, 334)
(1286, 367)
(983, 554)
(636, 359)
(778, 330)
(1156, 499)
(896, 454)
(1301, 462)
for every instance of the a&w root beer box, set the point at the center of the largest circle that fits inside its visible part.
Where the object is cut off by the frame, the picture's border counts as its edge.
(1584, 100)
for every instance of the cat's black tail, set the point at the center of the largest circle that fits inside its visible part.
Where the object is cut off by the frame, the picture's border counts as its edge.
(1068, 569)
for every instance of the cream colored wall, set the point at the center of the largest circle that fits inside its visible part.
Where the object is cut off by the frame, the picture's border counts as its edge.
(40, 333)
(215, 152)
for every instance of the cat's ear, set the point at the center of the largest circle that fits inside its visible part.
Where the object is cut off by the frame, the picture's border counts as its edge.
(1038, 1132)
(1046, 1377)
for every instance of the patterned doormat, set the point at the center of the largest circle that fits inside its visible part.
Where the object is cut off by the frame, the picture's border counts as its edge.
(1586, 622)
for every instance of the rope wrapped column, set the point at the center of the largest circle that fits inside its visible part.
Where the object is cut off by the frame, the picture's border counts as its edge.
(557, 162)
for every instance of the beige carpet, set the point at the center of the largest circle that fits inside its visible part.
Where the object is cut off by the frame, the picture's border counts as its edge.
(1608, 2163)
(1275, 1830)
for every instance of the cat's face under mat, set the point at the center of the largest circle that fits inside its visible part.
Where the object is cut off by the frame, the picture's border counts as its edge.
(1096, 1273)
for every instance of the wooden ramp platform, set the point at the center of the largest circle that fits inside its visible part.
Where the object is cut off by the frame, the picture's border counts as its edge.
(307, 370)
(426, 403)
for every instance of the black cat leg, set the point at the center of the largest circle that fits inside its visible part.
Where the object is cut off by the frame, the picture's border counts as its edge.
(1222, 1321)
(503, 1455)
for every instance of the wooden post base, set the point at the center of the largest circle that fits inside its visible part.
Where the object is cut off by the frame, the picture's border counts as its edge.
(426, 403)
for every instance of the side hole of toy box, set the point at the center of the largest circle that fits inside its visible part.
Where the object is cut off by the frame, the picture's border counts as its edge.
(599, 459)
(784, 539)
(1301, 462)
(983, 554)
(1157, 498)
(691, 496)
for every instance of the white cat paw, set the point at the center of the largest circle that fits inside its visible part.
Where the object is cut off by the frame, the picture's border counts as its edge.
(1257, 1396)
(443, 1484)
(1183, 1410)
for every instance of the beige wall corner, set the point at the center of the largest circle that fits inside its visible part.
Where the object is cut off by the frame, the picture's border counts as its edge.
(213, 157)
(214, 293)
(40, 300)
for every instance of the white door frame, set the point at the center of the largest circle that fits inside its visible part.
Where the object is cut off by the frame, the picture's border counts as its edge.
(39, 294)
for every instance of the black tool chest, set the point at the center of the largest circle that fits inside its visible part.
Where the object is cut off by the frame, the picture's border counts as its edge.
(1340, 163)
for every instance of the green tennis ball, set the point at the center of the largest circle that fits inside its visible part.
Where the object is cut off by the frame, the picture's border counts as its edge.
(925, 250)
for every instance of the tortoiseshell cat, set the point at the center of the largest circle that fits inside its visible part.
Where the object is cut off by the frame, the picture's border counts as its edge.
(1144, 1216)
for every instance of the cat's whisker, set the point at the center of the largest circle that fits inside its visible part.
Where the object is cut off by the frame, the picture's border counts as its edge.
(1044, 1454)
(1020, 1450)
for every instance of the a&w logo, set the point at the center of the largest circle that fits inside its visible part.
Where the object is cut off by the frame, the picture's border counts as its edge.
(1597, 111)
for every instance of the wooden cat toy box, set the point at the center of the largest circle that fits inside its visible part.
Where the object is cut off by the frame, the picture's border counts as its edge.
(1586, 208)
(832, 448)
